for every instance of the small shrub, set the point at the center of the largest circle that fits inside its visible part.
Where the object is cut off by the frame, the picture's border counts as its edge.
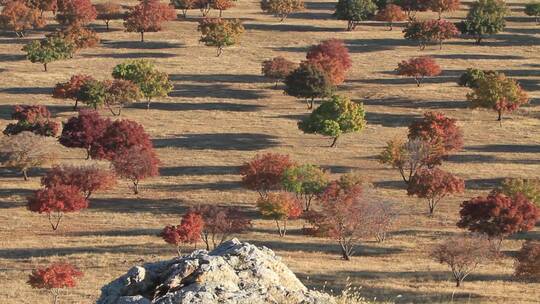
(188, 232)
(32, 118)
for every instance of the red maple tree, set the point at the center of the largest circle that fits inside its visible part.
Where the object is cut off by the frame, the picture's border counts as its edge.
(331, 56)
(188, 232)
(56, 201)
(71, 12)
(55, 277)
(136, 163)
(88, 179)
(148, 16)
(118, 137)
(71, 88)
(264, 172)
(84, 131)
(220, 223)
(419, 68)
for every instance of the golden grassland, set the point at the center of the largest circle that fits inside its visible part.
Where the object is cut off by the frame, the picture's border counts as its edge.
(222, 113)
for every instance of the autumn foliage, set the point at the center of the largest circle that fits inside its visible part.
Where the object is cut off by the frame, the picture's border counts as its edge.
(407, 157)
(148, 16)
(220, 33)
(281, 8)
(56, 201)
(119, 93)
(430, 31)
(71, 88)
(88, 179)
(55, 277)
(498, 215)
(527, 265)
(463, 254)
(441, 6)
(441, 132)
(277, 68)
(108, 11)
(135, 163)
(280, 207)
(220, 223)
(434, 185)
(331, 56)
(78, 36)
(18, 17)
(391, 13)
(119, 136)
(222, 5)
(264, 172)
(76, 12)
(32, 118)
(188, 232)
(419, 68)
(84, 131)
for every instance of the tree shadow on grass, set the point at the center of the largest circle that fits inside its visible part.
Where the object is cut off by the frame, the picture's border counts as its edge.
(198, 170)
(219, 78)
(483, 183)
(215, 186)
(7, 193)
(479, 158)
(214, 91)
(392, 184)
(137, 205)
(28, 90)
(396, 102)
(135, 249)
(219, 141)
(202, 106)
(505, 148)
(133, 55)
(117, 232)
(478, 56)
(323, 246)
(280, 27)
(389, 119)
(147, 45)
(376, 45)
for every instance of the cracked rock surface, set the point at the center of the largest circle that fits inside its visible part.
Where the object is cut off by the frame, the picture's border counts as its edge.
(233, 273)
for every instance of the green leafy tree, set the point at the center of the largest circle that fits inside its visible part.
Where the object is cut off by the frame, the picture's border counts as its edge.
(306, 181)
(48, 50)
(220, 32)
(335, 117)
(485, 17)
(528, 187)
(533, 9)
(498, 92)
(93, 93)
(144, 74)
(354, 11)
(309, 82)
(471, 76)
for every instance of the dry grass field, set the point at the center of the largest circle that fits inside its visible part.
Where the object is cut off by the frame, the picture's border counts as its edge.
(221, 113)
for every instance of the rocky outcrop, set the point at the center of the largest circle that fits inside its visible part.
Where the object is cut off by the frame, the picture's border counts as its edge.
(233, 273)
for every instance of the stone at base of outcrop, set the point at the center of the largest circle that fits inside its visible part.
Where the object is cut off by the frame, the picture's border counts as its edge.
(233, 273)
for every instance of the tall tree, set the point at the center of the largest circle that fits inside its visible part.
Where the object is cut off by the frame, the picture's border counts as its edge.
(84, 131)
(354, 11)
(485, 17)
(331, 56)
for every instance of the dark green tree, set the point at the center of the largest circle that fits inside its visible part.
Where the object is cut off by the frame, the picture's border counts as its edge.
(533, 9)
(48, 50)
(354, 11)
(308, 82)
(485, 17)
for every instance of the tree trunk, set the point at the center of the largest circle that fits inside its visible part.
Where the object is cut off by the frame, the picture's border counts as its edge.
(499, 118)
(55, 297)
(142, 36)
(45, 67)
(148, 101)
(107, 24)
(178, 251)
(25, 174)
(220, 13)
(76, 104)
(184, 13)
(458, 282)
(334, 142)
(219, 51)
(135, 187)
(479, 39)
(87, 153)
(391, 26)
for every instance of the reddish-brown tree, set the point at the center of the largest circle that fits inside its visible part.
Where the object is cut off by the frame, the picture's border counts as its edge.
(343, 216)
(498, 215)
(280, 207)
(222, 5)
(71, 89)
(433, 185)
(120, 93)
(84, 131)
(331, 56)
(108, 11)
(439, 131)
(88, 179)
(56, 201)
(527, 265)
(72, 12)
(188, 232)
(55, 277)
(135, 163)
(148, 16)
(463, 254)
(264, 172)
(391, 13)
(32, 118)
(16, 16)
(441, 6)
(277, 68)
(419, 68)
(220, 223)
(44, 5)
(78, 36)
(119, 136)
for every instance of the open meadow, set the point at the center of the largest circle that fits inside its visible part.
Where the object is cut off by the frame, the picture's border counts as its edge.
(222, 112)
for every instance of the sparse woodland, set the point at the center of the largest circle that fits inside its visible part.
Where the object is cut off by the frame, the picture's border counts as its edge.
(386, 146)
